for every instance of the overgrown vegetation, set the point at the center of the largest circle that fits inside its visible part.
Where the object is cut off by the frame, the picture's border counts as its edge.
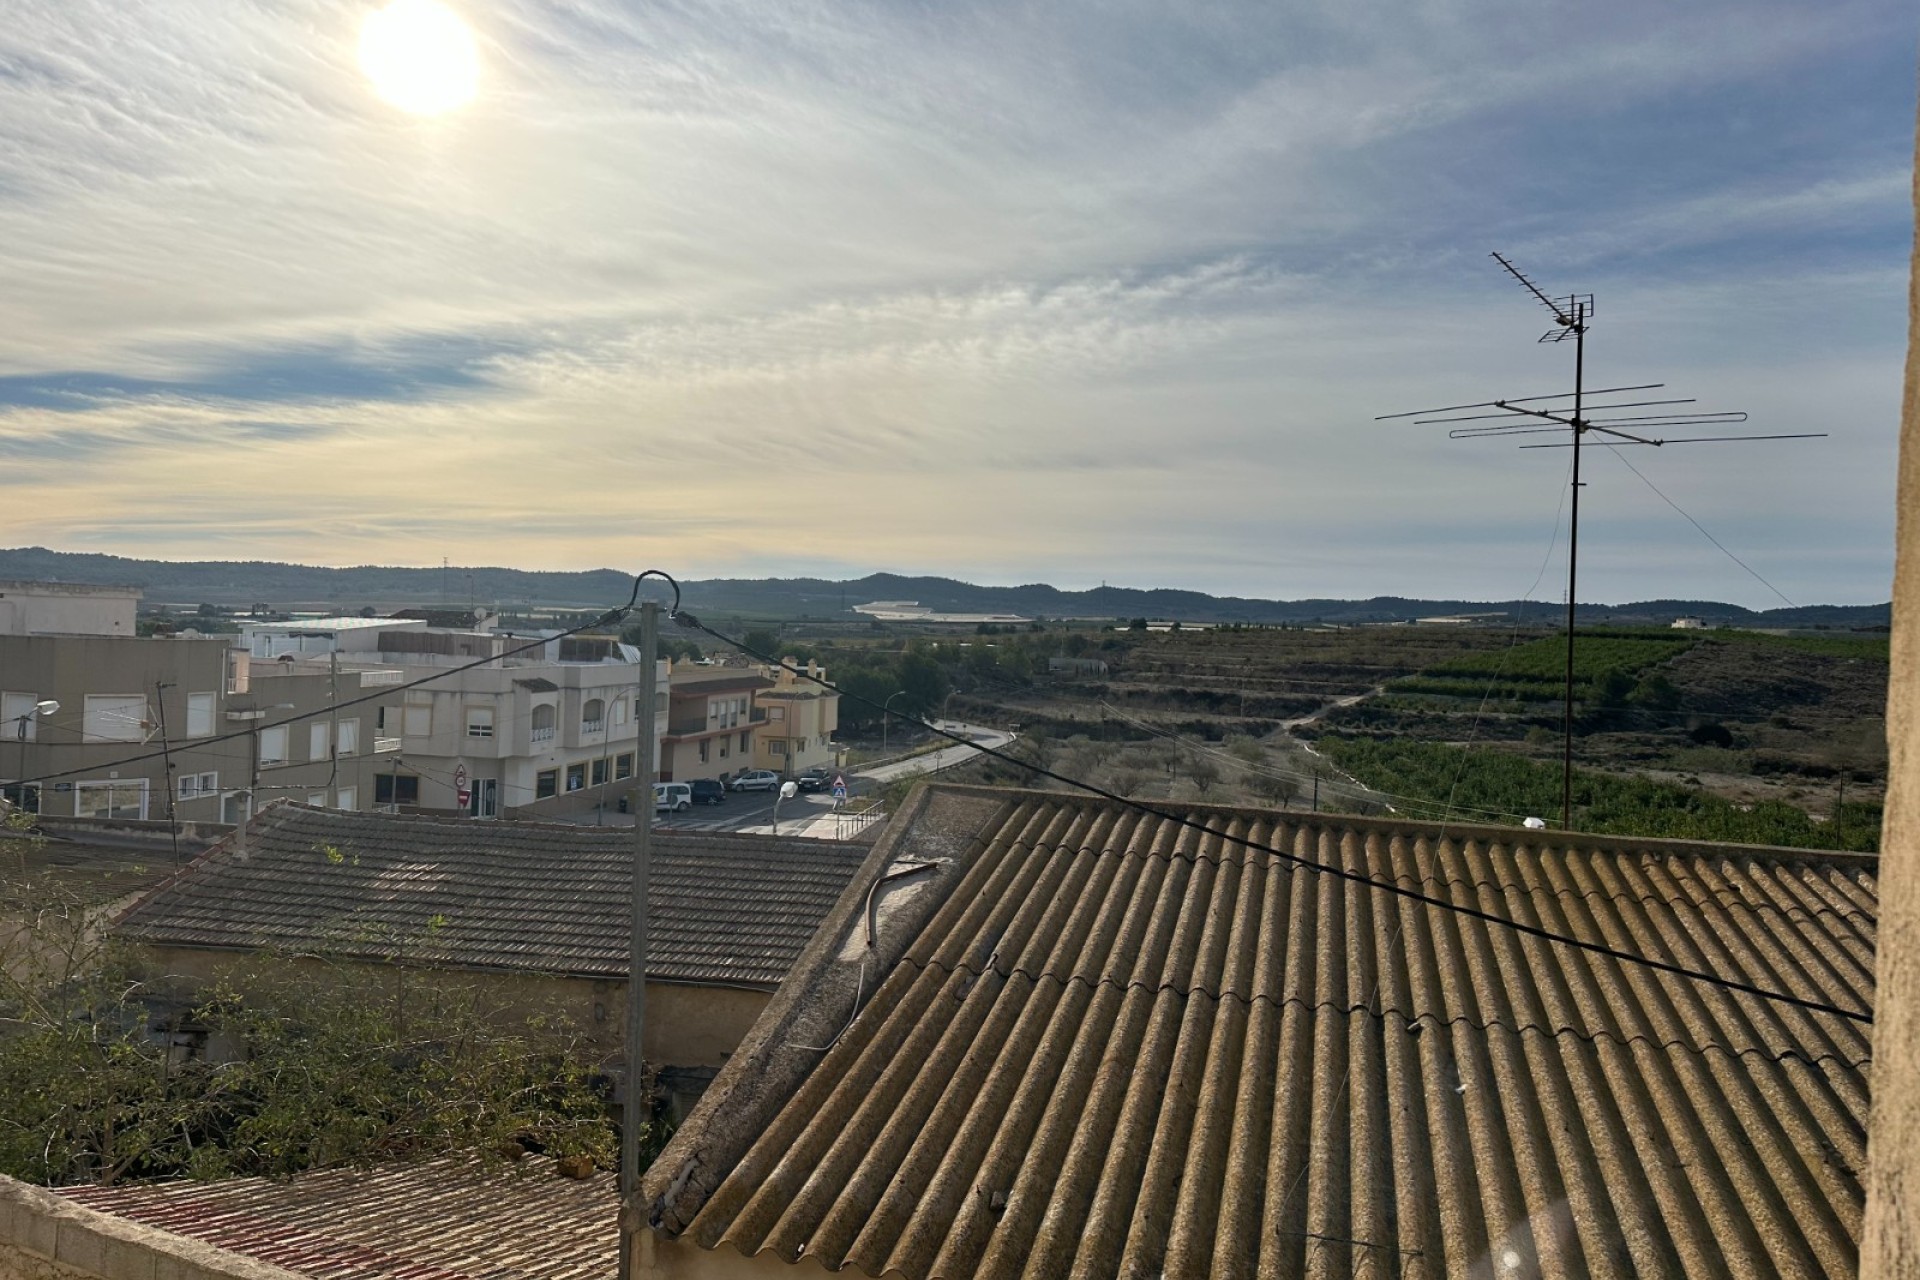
(1439, 781)
(279, 1064)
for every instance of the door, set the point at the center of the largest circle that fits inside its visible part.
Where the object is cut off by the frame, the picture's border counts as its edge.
(486, 798)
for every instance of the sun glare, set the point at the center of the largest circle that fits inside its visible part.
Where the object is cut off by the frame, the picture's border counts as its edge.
(420, 56)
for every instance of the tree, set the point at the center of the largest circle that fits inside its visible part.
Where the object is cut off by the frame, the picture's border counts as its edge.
(337, 1064)
(924, 682)
(1138, 624)
(762, 640)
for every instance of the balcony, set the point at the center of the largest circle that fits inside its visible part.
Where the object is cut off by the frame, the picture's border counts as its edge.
(381, 746)
(544, 734)
(593, 726)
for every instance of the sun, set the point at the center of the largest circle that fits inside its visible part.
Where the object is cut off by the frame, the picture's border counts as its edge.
(420, 56)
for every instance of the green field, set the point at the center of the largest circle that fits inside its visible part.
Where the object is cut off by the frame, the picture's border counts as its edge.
(1536, 671)
(1423, 776)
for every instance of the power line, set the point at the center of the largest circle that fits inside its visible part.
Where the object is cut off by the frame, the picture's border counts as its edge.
(1702, 528)
(1534, 931)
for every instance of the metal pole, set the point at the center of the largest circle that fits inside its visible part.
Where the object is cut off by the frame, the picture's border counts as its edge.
(1573, 563)
(160, 688)
(631, 1117)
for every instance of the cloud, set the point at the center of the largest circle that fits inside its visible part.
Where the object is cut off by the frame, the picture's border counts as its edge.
(1052, 292)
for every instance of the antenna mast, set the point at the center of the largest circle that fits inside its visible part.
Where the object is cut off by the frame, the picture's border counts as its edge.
(1518, 417)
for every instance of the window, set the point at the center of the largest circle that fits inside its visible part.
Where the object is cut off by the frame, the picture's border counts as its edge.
(318, 800)
(776, 713)
(545, 783)
(347, 798)
(200, 715)
(544, 719)
(704, 745)
(110, 799)
(195, 785)
(479, 722)
(593, 716)
(317, 741)
(235, 806)
(24, 794)
(17, 710)
(623, 765)
(600, 773)
(389, 789)
(576, 776)
(115, 717)
(723, 749)
(619, 714)
(273, 745)
(349, 743)
(418, 722)
(743, 740)
(777, 746)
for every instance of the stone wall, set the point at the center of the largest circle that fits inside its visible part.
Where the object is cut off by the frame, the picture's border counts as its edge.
(45, 1237)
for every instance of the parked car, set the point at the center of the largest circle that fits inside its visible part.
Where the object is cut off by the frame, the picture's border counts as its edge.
(672, 797)
(818, 778)
(708, 791)
(756, 780)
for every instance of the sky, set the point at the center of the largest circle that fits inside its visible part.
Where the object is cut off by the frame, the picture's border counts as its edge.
(1008, 292)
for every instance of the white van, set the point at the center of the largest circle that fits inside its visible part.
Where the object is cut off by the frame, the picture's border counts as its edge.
(672, 797)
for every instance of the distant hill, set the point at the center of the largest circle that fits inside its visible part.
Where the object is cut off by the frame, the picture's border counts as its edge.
(245, 582)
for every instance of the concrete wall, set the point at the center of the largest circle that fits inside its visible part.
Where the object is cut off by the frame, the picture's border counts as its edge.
(66, 608)
(1891, 1244)
(45, 1237)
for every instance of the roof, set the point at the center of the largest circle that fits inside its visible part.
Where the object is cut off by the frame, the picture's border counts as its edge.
(537, 897)
(90, 869)
(1093, 1042)
(439, 1220)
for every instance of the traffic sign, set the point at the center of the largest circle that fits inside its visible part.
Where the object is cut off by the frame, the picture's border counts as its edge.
(462, 793)
(839, 787)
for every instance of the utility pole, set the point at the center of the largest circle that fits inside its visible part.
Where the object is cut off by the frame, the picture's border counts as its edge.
(632, 1115)
(160, 688)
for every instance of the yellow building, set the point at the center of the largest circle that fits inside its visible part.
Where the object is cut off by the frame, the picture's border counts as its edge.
(794, 721)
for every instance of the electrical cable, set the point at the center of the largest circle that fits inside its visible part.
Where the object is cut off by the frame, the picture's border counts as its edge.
(692, 623)
(1702, 528)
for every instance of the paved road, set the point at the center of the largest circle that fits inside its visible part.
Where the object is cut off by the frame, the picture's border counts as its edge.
(945, 758)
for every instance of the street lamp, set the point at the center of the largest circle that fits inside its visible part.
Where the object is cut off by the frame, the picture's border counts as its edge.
(788, 790)
(884, 709)
(44, 707)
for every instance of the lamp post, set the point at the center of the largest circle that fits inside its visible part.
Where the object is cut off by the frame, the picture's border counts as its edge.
(885, 710)
(788, 790)
(44, 707)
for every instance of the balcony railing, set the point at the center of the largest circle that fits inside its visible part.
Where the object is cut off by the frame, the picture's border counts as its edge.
(543, 735)
(593, 726)
(383, 745)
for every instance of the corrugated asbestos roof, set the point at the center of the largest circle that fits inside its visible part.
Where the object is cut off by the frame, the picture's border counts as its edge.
(441, 1220)
(537, 897)
(1111, 1045)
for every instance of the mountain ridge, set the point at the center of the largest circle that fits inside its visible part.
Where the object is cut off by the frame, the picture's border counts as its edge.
(350, 587)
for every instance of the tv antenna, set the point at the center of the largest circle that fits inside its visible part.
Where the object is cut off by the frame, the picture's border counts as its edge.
(1538, 415)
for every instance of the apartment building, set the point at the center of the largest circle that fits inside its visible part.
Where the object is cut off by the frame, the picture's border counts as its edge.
(795, 718)
(118, 727)
(710, 724)
(544, 725)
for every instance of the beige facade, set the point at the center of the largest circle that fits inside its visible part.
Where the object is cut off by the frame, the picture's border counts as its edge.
(152, 729)
(795, 722)
(542, 731)
(66, 609)
(710, 722)
(1890, 1248)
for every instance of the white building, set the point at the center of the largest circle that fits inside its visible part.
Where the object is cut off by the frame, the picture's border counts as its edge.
(66, 609)
(544, 724)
